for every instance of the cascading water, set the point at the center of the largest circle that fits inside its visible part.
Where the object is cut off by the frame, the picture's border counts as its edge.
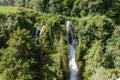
(72, 41)
(42, 30)
(39, 30)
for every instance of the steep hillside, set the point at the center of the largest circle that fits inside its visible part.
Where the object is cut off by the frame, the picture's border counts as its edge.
(21, 58)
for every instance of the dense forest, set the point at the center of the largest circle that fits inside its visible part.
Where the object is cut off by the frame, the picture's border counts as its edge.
(96, 24)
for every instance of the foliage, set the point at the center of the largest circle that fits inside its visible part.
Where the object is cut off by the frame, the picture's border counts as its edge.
(112, 50)
(15, 60)
(78, 8)
(98, 48)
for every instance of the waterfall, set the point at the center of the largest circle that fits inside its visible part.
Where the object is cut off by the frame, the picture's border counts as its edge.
(42, 30)
(72, 41)
(39, 31)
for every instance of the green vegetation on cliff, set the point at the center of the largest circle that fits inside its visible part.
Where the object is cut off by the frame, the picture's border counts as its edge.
(23, 59)
(96, 24)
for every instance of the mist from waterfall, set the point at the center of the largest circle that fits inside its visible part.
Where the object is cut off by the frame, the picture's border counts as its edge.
(72, 48)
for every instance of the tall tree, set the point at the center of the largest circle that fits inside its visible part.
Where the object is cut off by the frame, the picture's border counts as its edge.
(112, 57)
(20, 3)
(15, 60)
(67, 7)
(94, 57)
(7, 2)
(55, 6)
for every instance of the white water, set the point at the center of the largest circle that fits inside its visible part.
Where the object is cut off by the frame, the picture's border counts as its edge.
(72, 47)
(72, 63)
(39, 31)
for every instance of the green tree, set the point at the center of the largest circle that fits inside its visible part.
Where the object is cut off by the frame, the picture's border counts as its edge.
(113, 10)
(3, 34)
(67, 7)
(100, 74)
(19, 3)
(94, 57)
(6, 2)
(55, 6)
(108, 62)
(76, 10)
(15, 59)
(113, 50)
(37, 5)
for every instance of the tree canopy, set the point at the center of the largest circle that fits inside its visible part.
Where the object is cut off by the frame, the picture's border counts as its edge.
(96, 24)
